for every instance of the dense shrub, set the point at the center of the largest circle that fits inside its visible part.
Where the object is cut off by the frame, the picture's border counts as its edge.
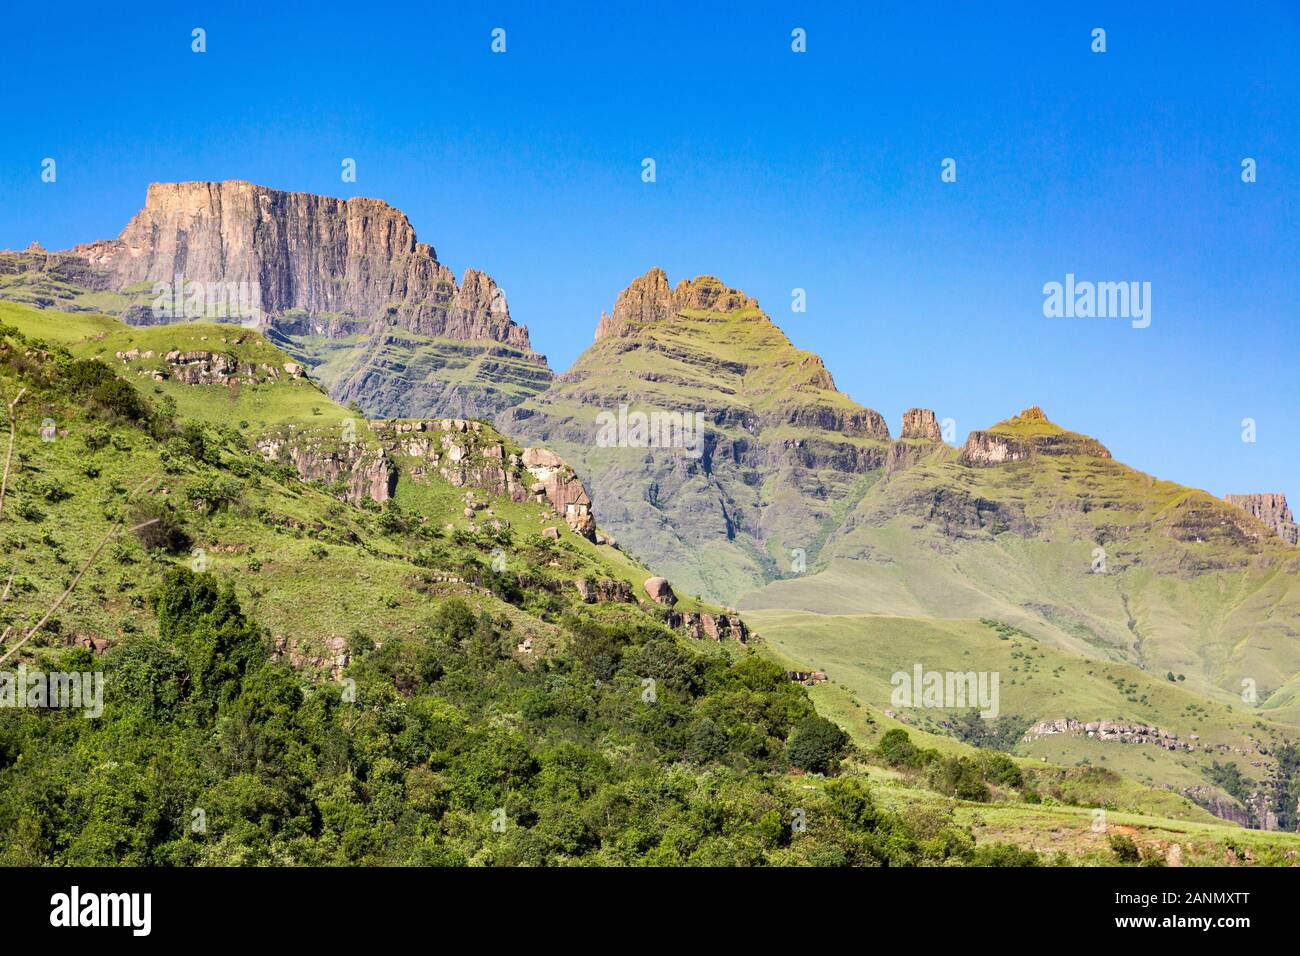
(816, 745)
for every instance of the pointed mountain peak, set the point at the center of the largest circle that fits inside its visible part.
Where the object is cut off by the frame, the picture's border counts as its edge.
(650, 298)
(1032, 420)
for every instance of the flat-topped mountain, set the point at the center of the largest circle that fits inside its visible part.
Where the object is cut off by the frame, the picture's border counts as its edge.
(342, 284)
(355, 261)
(778, 450)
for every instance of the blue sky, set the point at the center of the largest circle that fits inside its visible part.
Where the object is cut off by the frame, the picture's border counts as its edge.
(775, 171)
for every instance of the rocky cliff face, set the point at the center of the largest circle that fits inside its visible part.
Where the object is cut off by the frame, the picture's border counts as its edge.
(921, 436)
(356, 261)
(650, 299)
(987, 448)
(1029, 433)
(363, 471)
(1272, 510)
(921, 424)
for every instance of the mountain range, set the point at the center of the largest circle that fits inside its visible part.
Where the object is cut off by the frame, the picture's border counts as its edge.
(1105, 593)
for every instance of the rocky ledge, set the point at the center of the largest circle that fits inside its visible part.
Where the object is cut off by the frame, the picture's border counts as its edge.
(990, 448)
(717, 627)
(462, 452)
(605, 591)
(1108, 730)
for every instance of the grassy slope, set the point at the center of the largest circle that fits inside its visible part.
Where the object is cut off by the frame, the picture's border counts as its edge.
(1153, 816)
(402, 374)
(269, 542)
(260, 408)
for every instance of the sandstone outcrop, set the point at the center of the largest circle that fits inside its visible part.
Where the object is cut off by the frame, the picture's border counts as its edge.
(605, 591)
(990, 448)
(650, 299)
(1270, 509)
(558, 484)
(365, 472)
(919, 437)
(921, 424)
(463, 453)
(714, 627)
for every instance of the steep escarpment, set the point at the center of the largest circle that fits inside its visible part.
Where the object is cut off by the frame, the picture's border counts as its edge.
(720, 450)
(354, 261)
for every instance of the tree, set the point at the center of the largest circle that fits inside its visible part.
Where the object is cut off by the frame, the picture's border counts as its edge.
(816, 745)
(896, 747)
(204, 622)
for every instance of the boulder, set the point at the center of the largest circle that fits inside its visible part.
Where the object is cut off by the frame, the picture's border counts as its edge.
(660, 591)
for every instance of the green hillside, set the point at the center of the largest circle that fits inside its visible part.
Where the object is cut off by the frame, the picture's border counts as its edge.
(1129, 599)
(1101, 560)
(295, 677)
(332, 679)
